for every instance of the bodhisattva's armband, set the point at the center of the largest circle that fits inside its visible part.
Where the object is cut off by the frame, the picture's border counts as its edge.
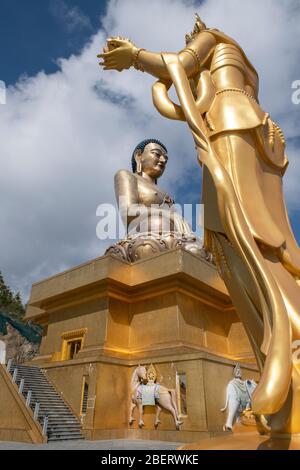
(136, 63)
(194, 54)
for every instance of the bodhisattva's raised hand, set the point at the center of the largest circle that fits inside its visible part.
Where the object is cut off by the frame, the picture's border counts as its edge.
(119, 54)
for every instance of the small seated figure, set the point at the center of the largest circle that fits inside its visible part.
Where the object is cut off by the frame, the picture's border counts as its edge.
(146, 391)
(147, 211)
(238, 400)
(149, 392)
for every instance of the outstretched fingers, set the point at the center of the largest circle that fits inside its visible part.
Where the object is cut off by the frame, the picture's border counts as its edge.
(110, 67)
(116, 42)
(105, 55)
(108, 63)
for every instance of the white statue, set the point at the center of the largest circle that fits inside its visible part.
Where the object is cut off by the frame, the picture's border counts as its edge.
(2, 352)
(146, 391)
(238, 398)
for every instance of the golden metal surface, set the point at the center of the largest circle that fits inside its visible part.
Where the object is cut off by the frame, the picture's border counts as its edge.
(246, 223)
(148, 212)
(139, 190)
(67, 338)
(174, 331)
(75, 334)
(246, 441)
(171, 310)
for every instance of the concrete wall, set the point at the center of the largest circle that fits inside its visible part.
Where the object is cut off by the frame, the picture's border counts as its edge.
(16, 421)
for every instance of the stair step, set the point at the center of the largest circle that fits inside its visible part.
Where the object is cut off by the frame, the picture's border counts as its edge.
(20, 373)
(30, 386)
(65, 435)
(43, 395)
(51, 400)
(59, 403)
(66, 439)
(63, 425)
(55, 421)
(34, 380)
(36, 384)
(61, 419)
(63, 432)
(54, 406)
(42, 392)
(38, 379)
(50, 405)
(63, 422)
(51, 412)
(47, 393)
(59, 432)
(59, 429)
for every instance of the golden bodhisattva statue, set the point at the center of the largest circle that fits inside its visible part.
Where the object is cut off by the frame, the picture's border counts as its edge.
(148, 212)
(242, 152)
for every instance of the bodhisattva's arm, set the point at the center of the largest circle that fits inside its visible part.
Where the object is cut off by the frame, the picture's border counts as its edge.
(122, 54)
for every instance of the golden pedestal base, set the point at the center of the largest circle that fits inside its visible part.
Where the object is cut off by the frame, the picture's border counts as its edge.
(246, 441)
(171, 310)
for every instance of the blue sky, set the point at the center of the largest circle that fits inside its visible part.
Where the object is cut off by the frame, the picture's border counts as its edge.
(61, 141)
(34, 33)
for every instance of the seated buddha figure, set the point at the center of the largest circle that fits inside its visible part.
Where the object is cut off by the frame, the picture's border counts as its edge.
(147, 211)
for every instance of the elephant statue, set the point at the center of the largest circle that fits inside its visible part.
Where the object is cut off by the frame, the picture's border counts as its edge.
(238, 398)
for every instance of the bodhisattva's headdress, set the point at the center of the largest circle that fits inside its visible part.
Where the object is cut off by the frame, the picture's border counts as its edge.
(199, 26)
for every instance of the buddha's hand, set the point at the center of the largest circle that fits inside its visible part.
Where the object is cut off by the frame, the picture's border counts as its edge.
(119, 54)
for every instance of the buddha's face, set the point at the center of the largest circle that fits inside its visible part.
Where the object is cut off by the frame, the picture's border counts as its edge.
(153, 160)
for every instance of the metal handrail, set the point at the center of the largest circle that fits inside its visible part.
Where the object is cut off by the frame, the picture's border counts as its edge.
(28, 399)
(36, 411)
(15, 374)
(45, 426)
(21, 386)
(30, 402)
(9, 364)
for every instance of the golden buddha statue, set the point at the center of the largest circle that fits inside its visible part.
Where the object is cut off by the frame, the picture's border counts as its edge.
(147, 211)
(242, 152)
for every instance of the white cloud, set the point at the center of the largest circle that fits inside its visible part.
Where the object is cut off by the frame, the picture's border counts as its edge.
(70, 18)
(64, 135)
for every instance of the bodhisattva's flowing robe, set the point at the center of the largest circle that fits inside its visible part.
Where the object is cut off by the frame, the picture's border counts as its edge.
(242, 152)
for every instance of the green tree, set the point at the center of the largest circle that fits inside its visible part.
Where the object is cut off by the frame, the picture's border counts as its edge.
(11, 304)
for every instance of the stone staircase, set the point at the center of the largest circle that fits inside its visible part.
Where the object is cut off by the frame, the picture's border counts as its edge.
(56, 418)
